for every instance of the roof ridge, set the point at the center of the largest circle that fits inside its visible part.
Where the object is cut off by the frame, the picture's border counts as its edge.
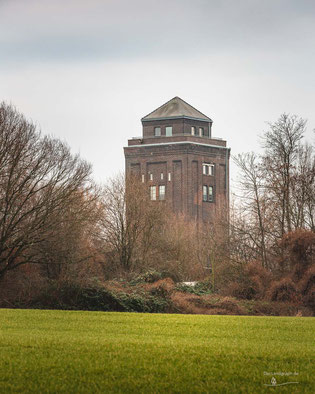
(183, 105)
(194, 108)
(156, 109)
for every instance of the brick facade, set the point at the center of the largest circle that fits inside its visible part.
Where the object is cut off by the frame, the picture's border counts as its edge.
(176, 162)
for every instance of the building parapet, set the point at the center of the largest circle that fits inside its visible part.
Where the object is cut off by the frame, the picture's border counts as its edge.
(177, 138)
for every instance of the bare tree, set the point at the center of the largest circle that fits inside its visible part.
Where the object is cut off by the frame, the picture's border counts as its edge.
(277, 192)
(282, 143)
(41, 186)
(254, 202)
(214, 243)
(303, 189)
(71, 242)
(129, 223)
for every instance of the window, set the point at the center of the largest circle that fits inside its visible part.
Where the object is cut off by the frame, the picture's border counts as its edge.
(208, 169)
(162, 176)
(210, 194)
(168, 131)
(153, 192)
(151, 177)
(193, 130)
(142, 178)
(169, 177)
(201, 132)
(162, 192)
(204, 193)
(157, 131)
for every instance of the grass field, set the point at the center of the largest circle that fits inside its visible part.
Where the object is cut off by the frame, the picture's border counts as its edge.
(97, 352)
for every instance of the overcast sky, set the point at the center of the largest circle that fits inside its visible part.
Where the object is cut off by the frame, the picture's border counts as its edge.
(87, 71)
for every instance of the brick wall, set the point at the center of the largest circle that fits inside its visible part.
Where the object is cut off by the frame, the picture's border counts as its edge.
(180, 126)
(184, 162)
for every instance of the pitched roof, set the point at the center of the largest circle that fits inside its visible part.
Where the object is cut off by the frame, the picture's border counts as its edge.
(176, 108)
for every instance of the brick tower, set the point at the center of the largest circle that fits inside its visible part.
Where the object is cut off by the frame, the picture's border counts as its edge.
(180, 160)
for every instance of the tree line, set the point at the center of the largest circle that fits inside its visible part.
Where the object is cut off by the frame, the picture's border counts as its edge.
(56, 223)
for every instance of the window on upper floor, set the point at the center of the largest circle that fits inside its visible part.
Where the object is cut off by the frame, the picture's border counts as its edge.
(169, 177)
(193, 130)
(153, 193)
(162, 192)
(201, 132)
(208, 193)
(168, 131)
(157, 131)
(162, 176)
(142, 178)
(207, 169)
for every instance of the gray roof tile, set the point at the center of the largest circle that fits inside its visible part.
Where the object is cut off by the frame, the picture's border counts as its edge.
(176, 108)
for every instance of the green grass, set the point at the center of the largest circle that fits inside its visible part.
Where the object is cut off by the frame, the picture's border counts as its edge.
(97, 352)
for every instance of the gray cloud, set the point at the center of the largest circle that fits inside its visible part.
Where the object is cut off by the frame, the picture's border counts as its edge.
(59, 30)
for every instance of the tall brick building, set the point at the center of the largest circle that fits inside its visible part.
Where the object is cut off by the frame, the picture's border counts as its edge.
(180, 160)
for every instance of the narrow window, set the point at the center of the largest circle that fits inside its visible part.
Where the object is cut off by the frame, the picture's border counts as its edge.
(157, 131)
(168, 131)
(210, 196)
(142, 178)
(201, 131)
(162, 192)
(153, 192)
(151, 177)
(162, 176)
(208, 169)
(204, 193)
(193, 130)
(169, 177)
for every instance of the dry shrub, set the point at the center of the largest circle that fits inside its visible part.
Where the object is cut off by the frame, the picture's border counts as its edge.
(255, 269)
(307, 288)
(186, 303)
(251, 283)
(221, 306)
(283, 290)
(20, 286)
(162, 287)
(274, 308)
(231, 306)
(190, 303)
(298, 247)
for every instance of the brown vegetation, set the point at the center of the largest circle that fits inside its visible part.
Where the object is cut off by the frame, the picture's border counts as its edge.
(65, 243)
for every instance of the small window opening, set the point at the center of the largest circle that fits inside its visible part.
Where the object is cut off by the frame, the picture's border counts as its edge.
(168, 131)
(207, 193)
(208, 169)
(162, 192)
(153, 193)
(157, 131)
